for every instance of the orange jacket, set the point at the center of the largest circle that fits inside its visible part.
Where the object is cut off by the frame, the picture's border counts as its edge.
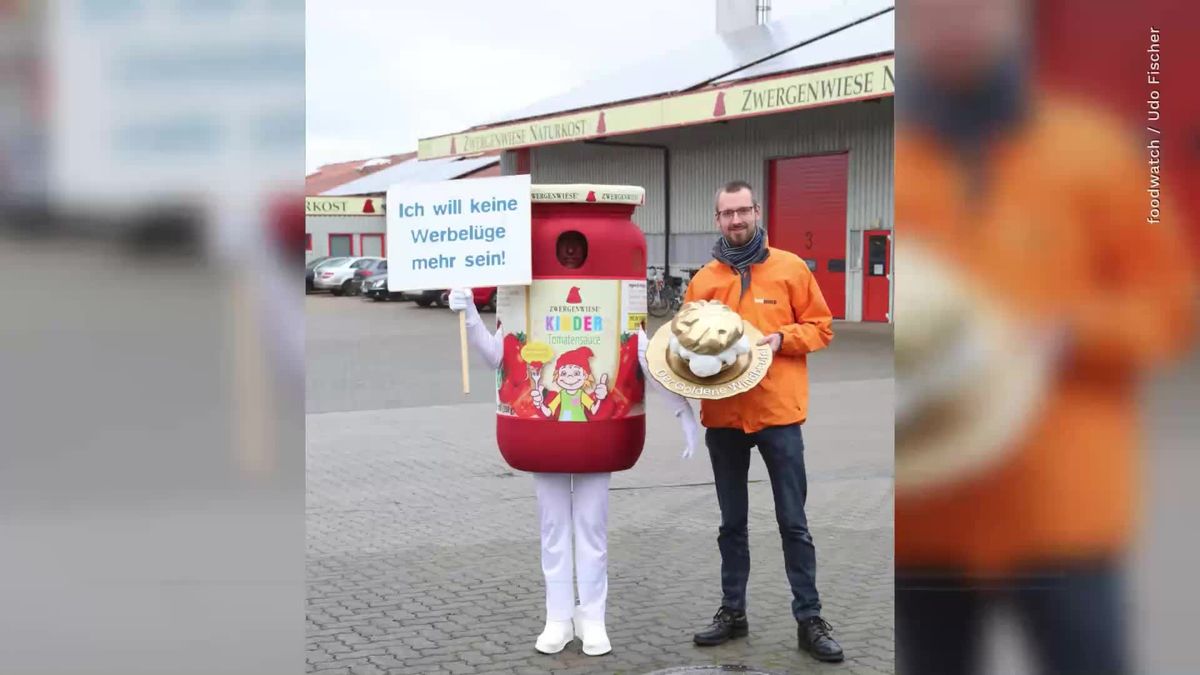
(1059, 235)
(783, 297)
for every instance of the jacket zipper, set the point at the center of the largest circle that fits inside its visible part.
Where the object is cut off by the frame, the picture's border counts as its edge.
(740, 282)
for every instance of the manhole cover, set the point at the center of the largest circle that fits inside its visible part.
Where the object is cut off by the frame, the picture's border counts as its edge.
(712, 670)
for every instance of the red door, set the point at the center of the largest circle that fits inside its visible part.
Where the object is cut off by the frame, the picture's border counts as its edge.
(806, 211)
(877, 274)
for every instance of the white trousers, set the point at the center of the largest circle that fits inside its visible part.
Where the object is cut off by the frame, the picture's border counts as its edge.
(573, 509)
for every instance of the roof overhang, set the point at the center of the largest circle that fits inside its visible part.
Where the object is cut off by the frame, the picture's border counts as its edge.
(859, 80)
(413, 171)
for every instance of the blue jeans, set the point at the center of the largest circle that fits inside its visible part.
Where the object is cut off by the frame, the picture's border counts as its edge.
(782, 450)
(1073, 616)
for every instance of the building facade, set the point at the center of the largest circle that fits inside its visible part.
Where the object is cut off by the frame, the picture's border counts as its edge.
(801, 109)
(823, 178)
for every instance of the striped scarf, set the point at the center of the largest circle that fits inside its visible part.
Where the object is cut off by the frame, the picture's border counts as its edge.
(742, 257)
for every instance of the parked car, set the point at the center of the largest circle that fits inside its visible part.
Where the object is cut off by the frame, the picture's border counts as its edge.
(366, 273)
(427, 297)
(485, 297)
(376, 289)
(339, 278)
(311, 267)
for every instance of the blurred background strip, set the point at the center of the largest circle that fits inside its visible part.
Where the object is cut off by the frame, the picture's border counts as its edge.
(1046, 305)
(151, 472)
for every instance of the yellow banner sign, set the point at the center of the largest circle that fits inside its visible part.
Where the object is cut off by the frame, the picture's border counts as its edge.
(841, 84)
(343, 206)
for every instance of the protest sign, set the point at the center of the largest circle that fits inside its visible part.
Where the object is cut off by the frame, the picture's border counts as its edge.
(472, 232)
(460, 233)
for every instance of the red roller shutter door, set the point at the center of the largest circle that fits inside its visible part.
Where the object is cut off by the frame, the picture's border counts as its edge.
(806, 211)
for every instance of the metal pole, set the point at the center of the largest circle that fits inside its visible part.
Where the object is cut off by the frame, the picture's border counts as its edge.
(666, 151)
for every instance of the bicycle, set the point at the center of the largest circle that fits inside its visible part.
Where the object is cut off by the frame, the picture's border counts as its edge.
(657, 302)
(664, 293)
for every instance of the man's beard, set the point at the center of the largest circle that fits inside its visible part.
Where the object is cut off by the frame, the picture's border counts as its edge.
(740, 237)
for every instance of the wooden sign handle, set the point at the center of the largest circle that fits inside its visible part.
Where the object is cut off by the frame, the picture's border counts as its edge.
(462, 338)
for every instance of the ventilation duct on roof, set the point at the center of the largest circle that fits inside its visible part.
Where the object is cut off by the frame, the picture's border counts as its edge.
(734, 15)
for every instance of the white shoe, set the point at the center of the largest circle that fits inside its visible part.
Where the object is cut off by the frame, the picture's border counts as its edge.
(594, 636)
(556, 636)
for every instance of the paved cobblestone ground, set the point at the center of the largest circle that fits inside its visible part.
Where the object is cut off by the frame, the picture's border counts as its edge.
(423, 544)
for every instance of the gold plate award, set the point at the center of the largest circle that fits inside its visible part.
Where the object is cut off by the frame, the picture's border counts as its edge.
(708, 352)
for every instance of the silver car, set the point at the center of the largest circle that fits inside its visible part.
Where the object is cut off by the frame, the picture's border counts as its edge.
(338, 278)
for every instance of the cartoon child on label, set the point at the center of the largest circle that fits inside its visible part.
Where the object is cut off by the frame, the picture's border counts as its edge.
(572, 374)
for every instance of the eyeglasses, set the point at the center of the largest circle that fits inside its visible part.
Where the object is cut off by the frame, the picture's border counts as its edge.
(744, 212)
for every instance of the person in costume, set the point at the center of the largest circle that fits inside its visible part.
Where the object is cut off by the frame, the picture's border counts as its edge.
(572, 508)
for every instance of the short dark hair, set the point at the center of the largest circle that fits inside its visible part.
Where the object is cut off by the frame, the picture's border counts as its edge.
(731, 187)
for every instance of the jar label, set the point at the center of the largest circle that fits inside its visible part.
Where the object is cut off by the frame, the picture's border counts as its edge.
(570, 349)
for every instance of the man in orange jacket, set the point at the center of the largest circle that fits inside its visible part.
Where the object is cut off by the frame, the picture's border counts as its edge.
(1042, 203)
(775, 291)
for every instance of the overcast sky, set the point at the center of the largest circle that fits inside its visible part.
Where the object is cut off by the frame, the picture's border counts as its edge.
(382, 74)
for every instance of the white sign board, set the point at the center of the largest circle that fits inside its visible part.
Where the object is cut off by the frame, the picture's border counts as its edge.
(459, 233)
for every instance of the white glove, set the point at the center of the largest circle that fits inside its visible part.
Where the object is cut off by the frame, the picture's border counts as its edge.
(691, 431)
(678, 405)
(462, 299)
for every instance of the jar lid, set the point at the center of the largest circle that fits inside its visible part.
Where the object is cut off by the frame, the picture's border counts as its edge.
(584, 193)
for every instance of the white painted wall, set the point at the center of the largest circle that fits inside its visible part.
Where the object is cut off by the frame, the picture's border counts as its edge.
(320, 227)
